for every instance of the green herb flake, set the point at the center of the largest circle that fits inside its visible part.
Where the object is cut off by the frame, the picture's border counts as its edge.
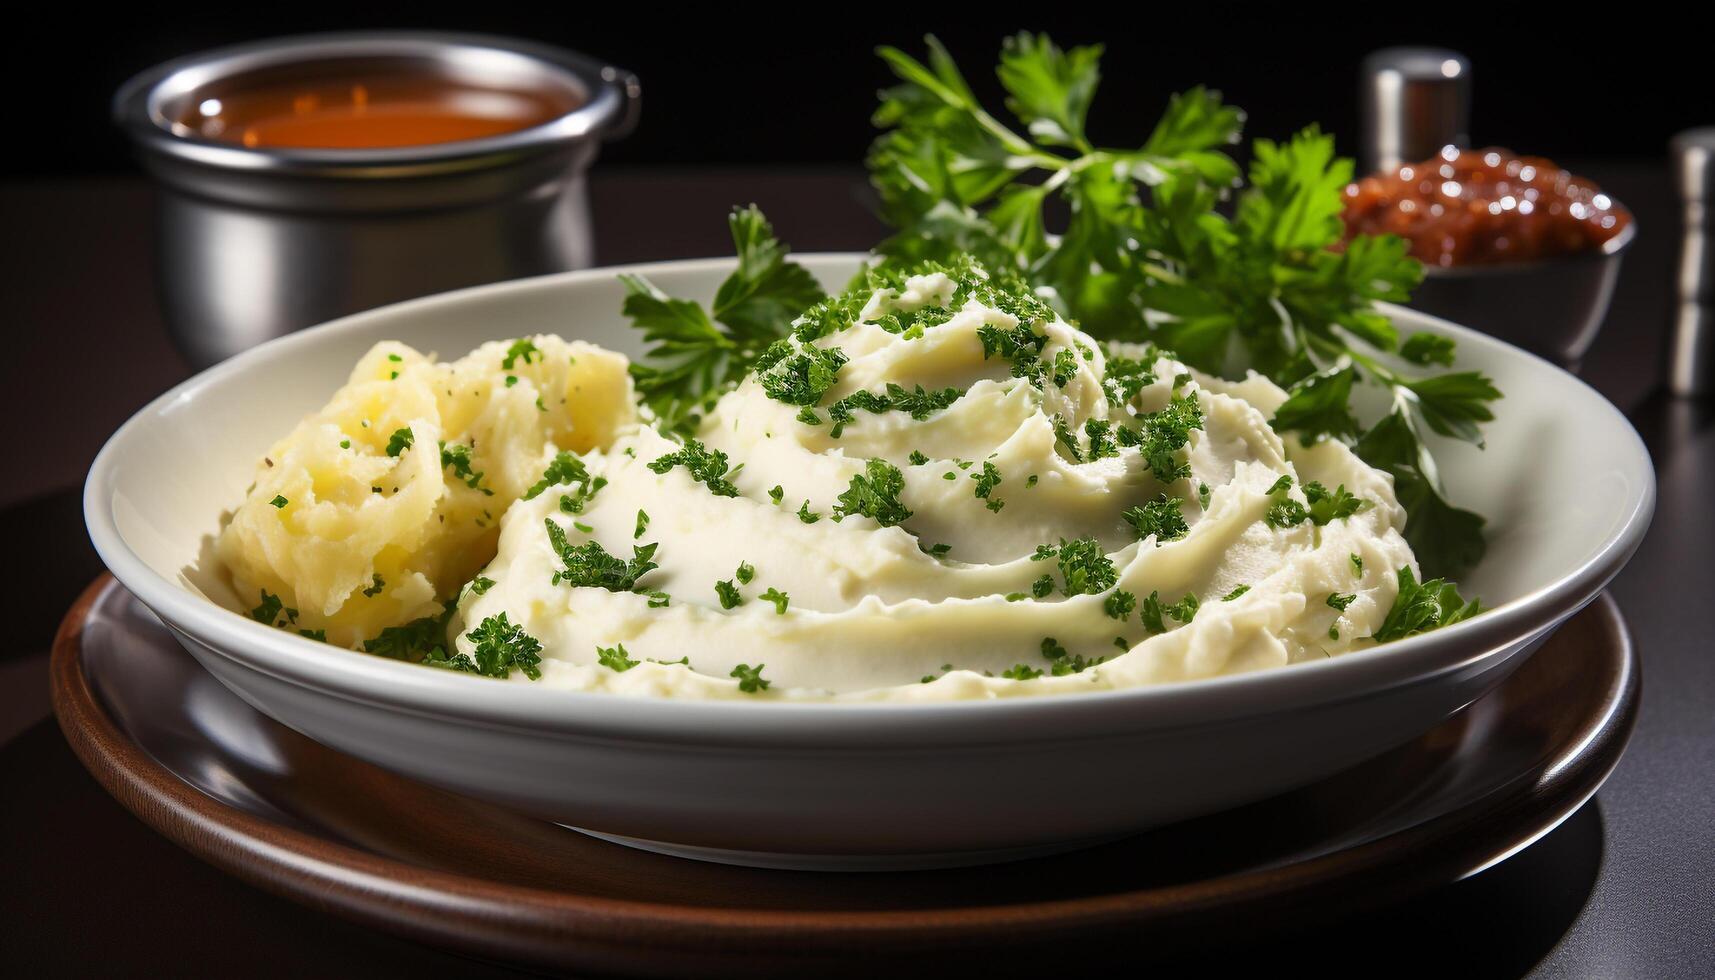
(875, 494)
(750, 679)
(588, 565)
(705, 466)
(615, 658)
(399, 441)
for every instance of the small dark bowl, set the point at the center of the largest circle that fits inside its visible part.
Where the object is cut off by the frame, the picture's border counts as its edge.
(1552, 307)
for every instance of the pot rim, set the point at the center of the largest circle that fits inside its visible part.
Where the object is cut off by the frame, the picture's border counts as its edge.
(612, 97)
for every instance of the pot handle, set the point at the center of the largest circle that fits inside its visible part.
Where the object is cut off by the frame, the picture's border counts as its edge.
(630, 92)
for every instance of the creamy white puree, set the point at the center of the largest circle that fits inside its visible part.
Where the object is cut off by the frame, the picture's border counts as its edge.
(872, 614)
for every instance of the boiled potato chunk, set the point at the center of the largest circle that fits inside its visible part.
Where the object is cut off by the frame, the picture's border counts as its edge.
(381, 505)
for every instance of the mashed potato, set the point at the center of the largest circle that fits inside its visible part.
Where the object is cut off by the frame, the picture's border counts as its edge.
(980, 503)
(383, 504)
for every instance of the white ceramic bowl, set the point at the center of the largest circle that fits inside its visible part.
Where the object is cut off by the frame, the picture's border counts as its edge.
(1566, 483)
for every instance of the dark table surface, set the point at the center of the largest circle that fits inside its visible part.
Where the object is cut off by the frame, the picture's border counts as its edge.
(1625, 888)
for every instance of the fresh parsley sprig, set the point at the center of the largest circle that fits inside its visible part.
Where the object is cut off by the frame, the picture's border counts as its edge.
(1146, 253)
(696, 353)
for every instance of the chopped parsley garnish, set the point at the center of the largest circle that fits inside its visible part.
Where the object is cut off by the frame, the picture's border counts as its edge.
(1326, 507)
(523, 348)
(481, 584)
(458, 458)
(750, 679)
(1419, 608)
(1161, 435)
(501, 648)
(746, 572)
(279, 502)
(1124, 378)
(399, 441)
(807, 515)
(1152, 612)
(1064, 436)
(777, 494)
(1042, 586)
(1283, 510)
(588, 565)
(1021, 672)
(803, 376)
(706, 466)
(917, 458)
(615, 658)
(1241, 590)
(375, 589)
(875, 494)
(1100, 434)
(269, 610)
(779, 598)
(728, 594)
(566, 467)
(1341, 601)
(1203, 495)
(1062, 661)
(1021, 345)
(642, 524)
(986, 481)
(1119, 604)
(1084, 568)
(421, 640)
(918, 403)
(1357, 564)
(1065, 368)
(1159, 517)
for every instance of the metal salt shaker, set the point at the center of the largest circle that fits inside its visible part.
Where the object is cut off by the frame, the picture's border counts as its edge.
(1414, 102)
(1691, 347)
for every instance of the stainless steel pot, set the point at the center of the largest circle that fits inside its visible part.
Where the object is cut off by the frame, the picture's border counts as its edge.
(255, 243)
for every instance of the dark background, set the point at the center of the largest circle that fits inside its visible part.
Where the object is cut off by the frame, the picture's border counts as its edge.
(746, 84)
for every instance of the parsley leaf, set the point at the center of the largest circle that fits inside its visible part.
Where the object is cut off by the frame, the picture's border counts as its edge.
(458, 457)
(589, 565)
(708, 467)
(1419, 608)
(399, 441)
(1084, 568)
(694, 353)
(502, 647)
(615, 658)
(750, 679)
(566, 467)
(1159, 517)
(874, 493)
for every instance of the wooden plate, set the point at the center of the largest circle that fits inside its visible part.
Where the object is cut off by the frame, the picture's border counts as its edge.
(284, 813)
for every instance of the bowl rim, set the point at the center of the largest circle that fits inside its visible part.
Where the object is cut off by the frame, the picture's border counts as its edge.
(395, 685)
